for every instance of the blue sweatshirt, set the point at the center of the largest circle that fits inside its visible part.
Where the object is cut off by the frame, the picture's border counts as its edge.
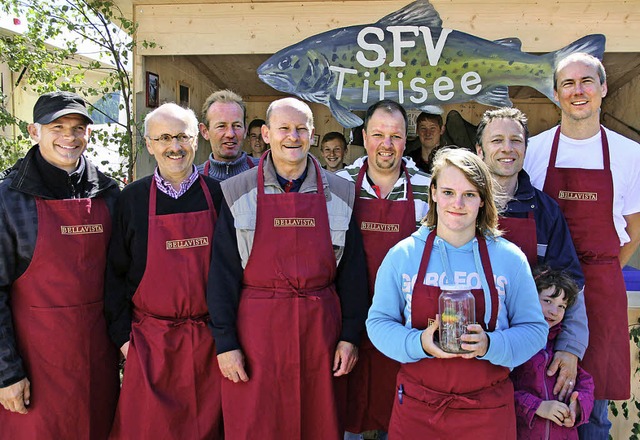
(521, 330)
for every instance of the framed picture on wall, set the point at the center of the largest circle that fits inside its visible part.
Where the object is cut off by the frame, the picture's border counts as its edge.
(153, 89)
(315, 141)
(183, 93)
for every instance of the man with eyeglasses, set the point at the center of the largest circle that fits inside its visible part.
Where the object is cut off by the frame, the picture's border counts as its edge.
(58, 369)
(157, 270)
(224, 115)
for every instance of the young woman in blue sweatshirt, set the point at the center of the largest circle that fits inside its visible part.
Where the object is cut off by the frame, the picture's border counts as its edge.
(440, 394)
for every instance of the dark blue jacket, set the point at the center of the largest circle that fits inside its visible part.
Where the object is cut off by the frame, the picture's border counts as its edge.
(33, 177)
(555, 249)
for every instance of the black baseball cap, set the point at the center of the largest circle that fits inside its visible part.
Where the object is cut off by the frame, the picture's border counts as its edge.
(53, 105)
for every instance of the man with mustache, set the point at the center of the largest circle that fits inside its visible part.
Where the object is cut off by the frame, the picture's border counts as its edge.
(157, 271)
(391, 200)
(58, 369)
(594, 175)
(287, 288)
(224, 115)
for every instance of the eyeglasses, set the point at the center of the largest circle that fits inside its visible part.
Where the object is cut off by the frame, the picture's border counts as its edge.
(166, 139)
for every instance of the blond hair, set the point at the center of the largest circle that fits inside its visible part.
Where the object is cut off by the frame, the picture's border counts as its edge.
(224, 96)
(478, 174)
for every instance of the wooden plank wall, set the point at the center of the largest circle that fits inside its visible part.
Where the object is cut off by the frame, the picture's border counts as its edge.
(624, 105)
(172, 70)
(234, 27)
(244, 27)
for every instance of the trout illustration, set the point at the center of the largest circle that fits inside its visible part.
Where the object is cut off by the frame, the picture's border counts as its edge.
(409, 57)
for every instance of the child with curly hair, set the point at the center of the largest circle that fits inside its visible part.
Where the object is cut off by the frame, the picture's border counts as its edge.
(538, 412)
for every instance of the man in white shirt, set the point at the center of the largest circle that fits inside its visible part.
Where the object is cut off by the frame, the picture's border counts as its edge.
(594, 173)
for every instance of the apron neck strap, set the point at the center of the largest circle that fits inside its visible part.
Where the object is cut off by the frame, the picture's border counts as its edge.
(152, 197)
(426, 254)
(606, 160)
(320, 186)
(407, 183)
(154, 192)
(488, 273)
(486, 266)
(205, 190)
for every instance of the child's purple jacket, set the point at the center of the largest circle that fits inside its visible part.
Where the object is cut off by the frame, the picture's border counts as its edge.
(533, 386)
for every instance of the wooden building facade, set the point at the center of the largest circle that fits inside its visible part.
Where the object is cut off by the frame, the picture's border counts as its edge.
(205, 45)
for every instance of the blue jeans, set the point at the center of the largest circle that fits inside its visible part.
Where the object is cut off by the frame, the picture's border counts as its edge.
(599, 424)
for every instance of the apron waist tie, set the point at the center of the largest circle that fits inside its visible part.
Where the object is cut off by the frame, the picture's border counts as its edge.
(298, 292)
(440, 401)
(289, 291)
(590, 257)
(199, 320)
(441, 406)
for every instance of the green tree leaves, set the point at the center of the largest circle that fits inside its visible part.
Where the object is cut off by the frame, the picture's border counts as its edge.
(51, 55)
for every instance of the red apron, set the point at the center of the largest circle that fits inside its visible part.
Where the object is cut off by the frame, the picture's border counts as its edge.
(452, 398)
(522, 232)
(289, 322)
(586, 199)
(61, 332)
(371, 384)
(207, 166)
(171, 386)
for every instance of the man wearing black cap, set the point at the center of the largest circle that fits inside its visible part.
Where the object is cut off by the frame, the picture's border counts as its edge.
(58, 369)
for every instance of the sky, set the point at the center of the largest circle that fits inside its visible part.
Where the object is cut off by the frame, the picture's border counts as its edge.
(85, 48)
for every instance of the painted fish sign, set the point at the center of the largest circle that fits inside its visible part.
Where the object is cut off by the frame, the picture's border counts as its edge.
(409, 57)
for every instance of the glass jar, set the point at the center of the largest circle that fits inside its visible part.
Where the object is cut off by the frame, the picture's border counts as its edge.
(457, 310)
